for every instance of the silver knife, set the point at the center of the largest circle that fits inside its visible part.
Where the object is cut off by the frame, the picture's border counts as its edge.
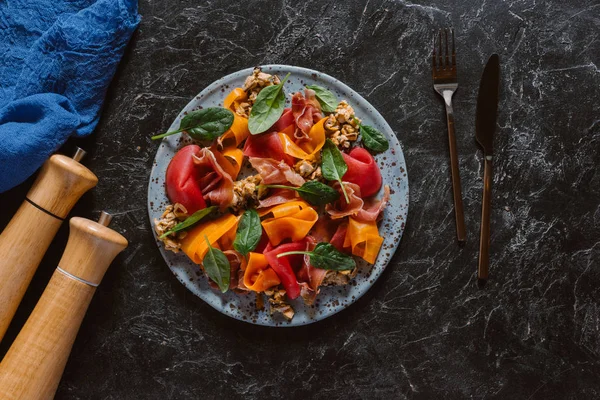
(485, 125)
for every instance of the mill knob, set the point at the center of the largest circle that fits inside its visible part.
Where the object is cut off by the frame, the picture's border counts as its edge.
(24, 241)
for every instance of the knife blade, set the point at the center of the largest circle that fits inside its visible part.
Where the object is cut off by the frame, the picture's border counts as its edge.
(485, 125)
(487, 105)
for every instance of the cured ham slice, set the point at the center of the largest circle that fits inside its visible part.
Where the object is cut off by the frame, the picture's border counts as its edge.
(278, 196)
(339, 237)
(237, 265)
(215, 171)
(373, 207)
(362, 171)
(307, 111)
(276, 172)
(341, 208)
(309, 277)
(286, 119)
(266, 145)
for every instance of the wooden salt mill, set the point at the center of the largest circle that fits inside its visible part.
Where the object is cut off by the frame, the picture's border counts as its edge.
(35, 362)
(24, 241)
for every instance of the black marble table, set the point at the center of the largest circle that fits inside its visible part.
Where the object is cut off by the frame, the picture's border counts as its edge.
(424, 330)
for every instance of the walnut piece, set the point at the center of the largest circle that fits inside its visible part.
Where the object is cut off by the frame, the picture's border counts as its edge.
(339, 278)
(342, 126)
(278, 303)
(246, 192)
(255, 83)
(172, 215)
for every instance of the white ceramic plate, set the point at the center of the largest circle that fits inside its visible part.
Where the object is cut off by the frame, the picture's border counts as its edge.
(331, 299)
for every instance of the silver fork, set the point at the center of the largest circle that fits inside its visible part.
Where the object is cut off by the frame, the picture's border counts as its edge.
(445, 83)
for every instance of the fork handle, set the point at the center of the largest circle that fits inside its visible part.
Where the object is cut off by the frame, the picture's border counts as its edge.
(459, 213)
(484, 238)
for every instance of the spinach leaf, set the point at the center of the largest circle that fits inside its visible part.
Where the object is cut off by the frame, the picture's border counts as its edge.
(373, 139)
(267, 108)
(314, 192)
(333, 166)
(249, 232)
(217, 267)
(205, 124)
(189, 221)
(326, 256)
(327, 99)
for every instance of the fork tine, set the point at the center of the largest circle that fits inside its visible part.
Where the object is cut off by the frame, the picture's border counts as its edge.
(441, 64)
(453, 51)
(447, 52)
(434, 55)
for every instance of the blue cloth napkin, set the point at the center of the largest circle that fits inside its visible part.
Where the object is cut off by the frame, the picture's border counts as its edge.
(57, 58)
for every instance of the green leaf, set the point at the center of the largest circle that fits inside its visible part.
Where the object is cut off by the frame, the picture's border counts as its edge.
(217, 267)
(333, 166)
(267, 108)
(373, 139)
(314, 192)
(327, 99)
(205, 124)
(249, 232)
(189, 221)
(326, 256)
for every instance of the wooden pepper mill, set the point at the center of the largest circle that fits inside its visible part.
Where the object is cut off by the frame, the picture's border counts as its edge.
(35, 362)
(24, 241)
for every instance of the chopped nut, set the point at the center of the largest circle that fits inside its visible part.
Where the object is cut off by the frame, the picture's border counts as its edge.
(172, 215)
(278, 304)
(331, 124)
(305, 168)
(243, 109)
(255, 82)
(339, 278)
(316, 175)
(260, 302)
(246, 192)
(342, 125)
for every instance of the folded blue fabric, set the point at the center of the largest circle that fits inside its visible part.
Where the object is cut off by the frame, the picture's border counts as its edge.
(56, 61)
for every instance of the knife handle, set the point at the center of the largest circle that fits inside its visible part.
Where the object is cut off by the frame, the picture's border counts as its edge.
(459, 214)
(486, 205)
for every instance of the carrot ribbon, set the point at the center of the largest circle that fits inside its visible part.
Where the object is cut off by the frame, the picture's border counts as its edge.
(364, 239)
(258, 275)
(292, 220)
(220, 233)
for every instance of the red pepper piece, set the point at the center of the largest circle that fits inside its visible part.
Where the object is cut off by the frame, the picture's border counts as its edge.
(362, 171)
(182, 180)
(283, 265)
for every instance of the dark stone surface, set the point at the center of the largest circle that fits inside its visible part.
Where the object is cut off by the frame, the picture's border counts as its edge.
(424, 330)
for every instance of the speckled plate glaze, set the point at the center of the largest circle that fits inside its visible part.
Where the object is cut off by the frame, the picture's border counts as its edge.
(331, 299)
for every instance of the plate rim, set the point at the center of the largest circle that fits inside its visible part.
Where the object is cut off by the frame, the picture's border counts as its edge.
(341, 85)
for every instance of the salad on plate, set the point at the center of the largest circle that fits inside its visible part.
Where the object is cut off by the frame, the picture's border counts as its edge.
(273, 200)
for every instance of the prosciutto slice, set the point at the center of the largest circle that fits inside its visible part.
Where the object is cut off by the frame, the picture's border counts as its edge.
(216, 184)
(237, 265)
(307, 111)
(373, 207)
(266, 145)
(278, 196)
(339, 236)
(341, 208)
(309, 277)
(275, 172)
(286, 119)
